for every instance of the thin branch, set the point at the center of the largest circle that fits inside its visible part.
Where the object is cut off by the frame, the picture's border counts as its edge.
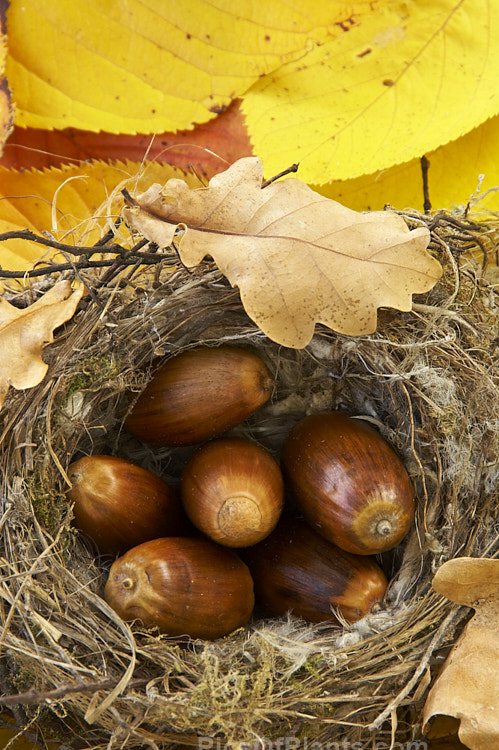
(109, 234)
(56, 268)
(34, 697)
(129, 199)
(27, 234)
(147, 260)
(425, 168)
(124, 257)
(289, 170)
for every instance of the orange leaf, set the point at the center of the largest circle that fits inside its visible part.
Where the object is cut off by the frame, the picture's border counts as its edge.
(207, 149)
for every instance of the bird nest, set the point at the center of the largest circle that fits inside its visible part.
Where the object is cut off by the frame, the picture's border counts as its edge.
(427, 379)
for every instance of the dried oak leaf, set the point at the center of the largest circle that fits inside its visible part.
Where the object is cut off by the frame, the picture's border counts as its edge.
(467, 688)
(298, 258)
(24, 332)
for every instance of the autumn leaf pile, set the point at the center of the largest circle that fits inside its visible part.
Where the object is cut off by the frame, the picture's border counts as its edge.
(356, 93)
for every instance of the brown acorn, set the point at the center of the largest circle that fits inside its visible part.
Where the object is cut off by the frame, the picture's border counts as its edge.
(119, 504)
(348, 482)
(200, 394)
(182, 586)
(296, 570)
(233, 491)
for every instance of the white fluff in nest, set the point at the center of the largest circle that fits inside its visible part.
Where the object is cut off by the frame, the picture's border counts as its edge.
(298, 642)
(440, 385)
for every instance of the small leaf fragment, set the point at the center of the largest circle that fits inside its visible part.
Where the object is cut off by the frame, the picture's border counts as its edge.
(468, 580)
(298, 258)
(24, 333)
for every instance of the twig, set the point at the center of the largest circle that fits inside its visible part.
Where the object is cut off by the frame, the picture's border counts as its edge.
(425, 166)
(292, 168)
(124, 257)
(33, 697)
(27, 234)
(108, 236)
(443, 218)
(58, 267)
(129, 199)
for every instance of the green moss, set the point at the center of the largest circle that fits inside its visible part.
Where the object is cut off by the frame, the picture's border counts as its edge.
(50, 506)
(93, 370)
(312, 665)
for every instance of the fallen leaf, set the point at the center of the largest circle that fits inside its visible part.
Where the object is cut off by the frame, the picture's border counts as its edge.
(24, 333)
(467, 687)
(298, 258)
(151, 66)
(411, 77)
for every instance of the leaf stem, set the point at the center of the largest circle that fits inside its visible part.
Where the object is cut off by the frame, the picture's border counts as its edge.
(289, 170)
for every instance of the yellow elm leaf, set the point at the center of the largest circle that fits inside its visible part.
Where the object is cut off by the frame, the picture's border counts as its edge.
(74, 204)
(153, 65)
(467, 687)
(297, 258)
(463, 169)
(411, 77)
(24, 333)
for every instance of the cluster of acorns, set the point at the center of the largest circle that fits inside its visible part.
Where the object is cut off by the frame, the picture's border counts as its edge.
(179, 570)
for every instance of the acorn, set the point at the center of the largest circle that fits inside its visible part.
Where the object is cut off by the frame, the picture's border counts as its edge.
(199, 394)
(119, 504)
(183, 587)
(296, 570)
(233, 491)
(348, 482)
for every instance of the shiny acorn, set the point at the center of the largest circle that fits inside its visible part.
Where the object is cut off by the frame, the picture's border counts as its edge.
(232, 490)
(296, 570)
(183, 587)
(200, 394)
(348, 482)
(119, 504)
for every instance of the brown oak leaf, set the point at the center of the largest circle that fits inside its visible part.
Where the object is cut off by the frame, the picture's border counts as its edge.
(24, 333)
(298, 258)
(467, 687)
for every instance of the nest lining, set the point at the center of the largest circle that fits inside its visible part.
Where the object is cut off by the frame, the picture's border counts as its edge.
(427, 379)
